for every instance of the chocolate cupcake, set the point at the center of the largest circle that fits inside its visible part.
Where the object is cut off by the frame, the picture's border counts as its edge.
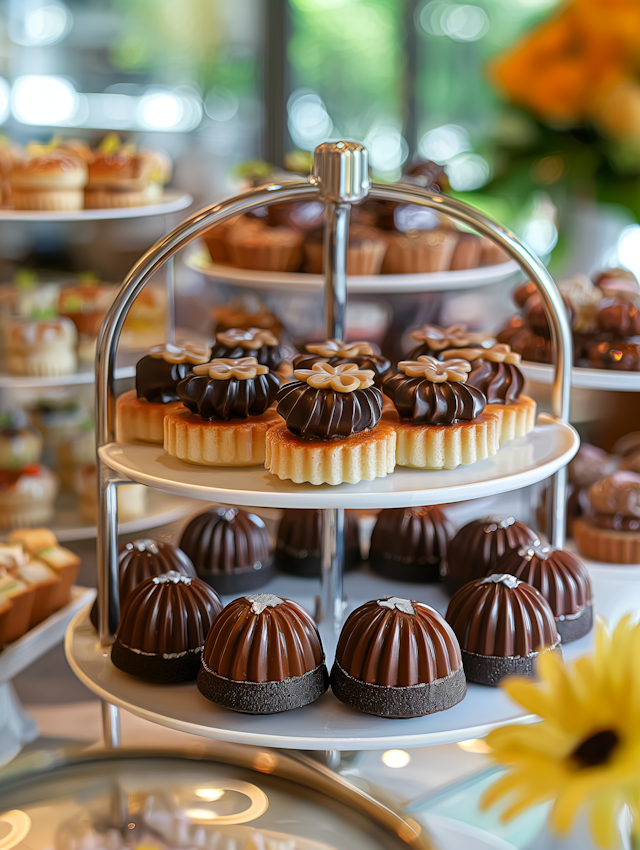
(299, 542)
(364, 355)
(433, 340)
(262, 344)
(503, 626)
(477, 547)
(397, 658)
(146, 558)
(230, 549)
(563, 581)
(410, 544)
(163, 626)
(263, 655)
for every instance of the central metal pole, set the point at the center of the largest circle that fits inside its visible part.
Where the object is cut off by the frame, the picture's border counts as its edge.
(336, 242)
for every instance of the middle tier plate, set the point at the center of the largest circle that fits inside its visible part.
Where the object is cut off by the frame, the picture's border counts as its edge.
(518, 463)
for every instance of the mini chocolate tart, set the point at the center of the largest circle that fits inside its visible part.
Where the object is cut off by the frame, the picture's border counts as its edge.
(230, 549)
(503, 626)
(255, 342)
(163, 627)
(299, 542)
(397, 658)
(563, 581)
(228, 388)
(610, 531)
(263, 655)
(410, 544)
(432, 339)
(364, 355)
(477, 547)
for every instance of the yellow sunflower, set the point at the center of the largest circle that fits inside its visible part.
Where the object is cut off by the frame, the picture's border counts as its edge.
(586, 750)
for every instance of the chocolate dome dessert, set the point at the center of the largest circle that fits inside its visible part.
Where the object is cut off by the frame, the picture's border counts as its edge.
(160, 371)
(263, 655)
(433, 339)
(299, 542)
(503, 626)
(563, 581)
(146, 558)
(476, 548)
(212, 394)
(364, 355)
(262, 344)
(397, 658)
(410, 544)
(230, 549)
(163, 626)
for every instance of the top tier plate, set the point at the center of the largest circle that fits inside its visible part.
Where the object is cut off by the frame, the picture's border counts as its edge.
(171, 202)
(519, 463)
(379, 284)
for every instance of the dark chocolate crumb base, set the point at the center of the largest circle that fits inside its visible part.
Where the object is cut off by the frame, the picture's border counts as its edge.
(155, 668)
(263, 697)
(412, 701)
(310, 566)
(423, 573)
(573, 628)
(238, 582)
(491, 669)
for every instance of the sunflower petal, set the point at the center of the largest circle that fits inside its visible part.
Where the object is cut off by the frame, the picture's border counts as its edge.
(565, 807)
(603, 819)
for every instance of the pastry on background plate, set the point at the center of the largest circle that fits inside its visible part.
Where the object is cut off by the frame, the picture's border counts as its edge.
(41, 544)
(27, 496)
(117, 180)
(42, 348)
(20, 442)
(254, 245)
(419, 251)
(365, 252)
(610, 531)
(54, 181)
(132, 498)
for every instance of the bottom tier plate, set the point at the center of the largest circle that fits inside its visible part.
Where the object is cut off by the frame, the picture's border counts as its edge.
(324, 725)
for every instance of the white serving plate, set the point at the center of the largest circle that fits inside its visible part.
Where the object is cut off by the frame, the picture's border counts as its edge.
(39, 382)
(518, 463)
(365, 284)
(588, 379)
(170, 203)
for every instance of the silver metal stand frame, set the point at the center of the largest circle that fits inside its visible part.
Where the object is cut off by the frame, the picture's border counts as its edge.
(340, 178)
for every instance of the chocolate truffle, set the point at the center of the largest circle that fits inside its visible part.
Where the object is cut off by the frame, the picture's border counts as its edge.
(410, 544)
(263, 655)
(563, 581)
(254, 342)
(160, 371)
(163, 626)
(476, 548)
(299, 542)
(619, 355)
(143, 559)
(365, 355)
(397, 658)
(230, 549)
(503, 626)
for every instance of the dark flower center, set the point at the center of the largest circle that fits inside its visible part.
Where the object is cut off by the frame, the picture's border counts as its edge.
(597, 749)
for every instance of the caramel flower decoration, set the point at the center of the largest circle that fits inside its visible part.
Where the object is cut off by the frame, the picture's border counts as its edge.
(181, 352)
(337, 348)
(343, 379)
(437, 371)
(251, 340)
(223, 369)
(499, 353)
(438, 338)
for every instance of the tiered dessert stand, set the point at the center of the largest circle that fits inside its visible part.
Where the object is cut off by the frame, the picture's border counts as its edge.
(340, 178)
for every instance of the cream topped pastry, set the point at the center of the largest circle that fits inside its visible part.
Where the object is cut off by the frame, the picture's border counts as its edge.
(46, 347)
(433, 339)
(260, 343)
(365, 355)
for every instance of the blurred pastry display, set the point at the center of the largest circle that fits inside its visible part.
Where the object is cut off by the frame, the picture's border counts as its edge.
(42, 545)
(32, 298)
(118, 179)
(610, 530)
(20, 442)
(86, 304)
(52, 181)
(245, 312)
(43, 348)
(132, 498)
(366, 251)
(299, 539)
(27, 495)
(410, 544)
(254, 245)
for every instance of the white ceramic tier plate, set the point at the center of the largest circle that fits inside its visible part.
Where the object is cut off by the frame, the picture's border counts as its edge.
(38, 641)
(39, 382)
(171, 202)
(519, 463)
(364, 284)
(588, 379)
(323, 725)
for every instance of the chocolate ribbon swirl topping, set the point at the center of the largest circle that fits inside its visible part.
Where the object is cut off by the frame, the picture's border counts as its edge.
(498, 353)
(435, 370)
(494, 371)
(223, 369)
(343, 379)
(336, 348)
(249, 340)
(455, 336)
(160, 371)
(185, 352)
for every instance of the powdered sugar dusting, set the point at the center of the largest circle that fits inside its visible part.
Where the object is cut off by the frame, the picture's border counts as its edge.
(173, 576)
(260, 601)
(502, 578)
(397, 603)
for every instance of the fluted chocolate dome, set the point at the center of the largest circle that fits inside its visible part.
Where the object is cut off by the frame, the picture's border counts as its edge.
(254, 342)
(561, 578)
(410, 544)
(325, 414)
(163, 626)
(247, 389)
(160, 371)
(476, 548)
(364, 355)
(299, 542)
(230, 549)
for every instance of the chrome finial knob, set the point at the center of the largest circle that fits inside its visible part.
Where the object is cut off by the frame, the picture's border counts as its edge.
(341, 172)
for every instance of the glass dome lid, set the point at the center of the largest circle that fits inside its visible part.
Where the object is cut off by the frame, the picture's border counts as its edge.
(246, 800)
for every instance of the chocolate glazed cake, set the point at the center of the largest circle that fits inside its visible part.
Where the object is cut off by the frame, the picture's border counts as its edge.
(163, 627)
(142, 559)
(298, 546)
(503, 626)
(398, 658)
(476, 548)
(263, 655)
(410, 544)
(230, 549)
(364, 355)
(563, 581)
